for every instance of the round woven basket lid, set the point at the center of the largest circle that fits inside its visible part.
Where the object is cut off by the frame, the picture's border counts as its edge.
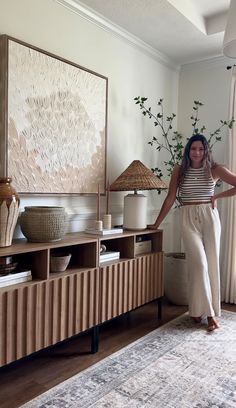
(137, 177)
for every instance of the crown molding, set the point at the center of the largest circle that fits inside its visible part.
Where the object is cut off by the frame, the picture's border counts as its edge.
(87, 13)
(209, 63)
(97, 19)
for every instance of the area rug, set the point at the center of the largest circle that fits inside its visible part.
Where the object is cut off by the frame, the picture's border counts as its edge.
(179, 365)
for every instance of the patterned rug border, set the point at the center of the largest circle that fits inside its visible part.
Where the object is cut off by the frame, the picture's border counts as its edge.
(130, 345)
(113, 356)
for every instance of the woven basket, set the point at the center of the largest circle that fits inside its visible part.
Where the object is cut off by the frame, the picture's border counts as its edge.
(43, 224)
(59, 262)
(176, 278)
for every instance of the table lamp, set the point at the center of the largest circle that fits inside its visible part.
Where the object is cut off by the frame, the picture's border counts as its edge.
(136, 177)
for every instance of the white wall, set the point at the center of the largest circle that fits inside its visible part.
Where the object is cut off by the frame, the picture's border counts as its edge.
(131, 72)
(209, 83)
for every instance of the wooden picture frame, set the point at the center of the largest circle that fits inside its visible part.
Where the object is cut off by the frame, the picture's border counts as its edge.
(53, 122)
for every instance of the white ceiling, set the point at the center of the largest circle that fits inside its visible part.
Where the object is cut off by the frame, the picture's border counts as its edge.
(183, 30)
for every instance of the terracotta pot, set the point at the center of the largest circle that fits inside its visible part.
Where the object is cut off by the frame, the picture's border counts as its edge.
(9, 211)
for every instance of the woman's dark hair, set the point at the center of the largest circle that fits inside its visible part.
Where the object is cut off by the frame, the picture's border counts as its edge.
(208, 162)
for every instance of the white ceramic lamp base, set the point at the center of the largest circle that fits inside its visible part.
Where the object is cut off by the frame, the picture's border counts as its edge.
(135, 212)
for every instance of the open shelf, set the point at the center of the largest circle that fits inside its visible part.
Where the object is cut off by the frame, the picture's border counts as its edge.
(55, 306)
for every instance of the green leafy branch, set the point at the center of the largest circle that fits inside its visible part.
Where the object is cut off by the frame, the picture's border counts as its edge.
(172, 141)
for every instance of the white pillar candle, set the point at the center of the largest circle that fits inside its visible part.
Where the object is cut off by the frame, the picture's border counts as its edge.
(107, 221)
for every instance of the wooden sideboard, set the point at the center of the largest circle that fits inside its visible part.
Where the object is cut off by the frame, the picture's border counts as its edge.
(55, 306)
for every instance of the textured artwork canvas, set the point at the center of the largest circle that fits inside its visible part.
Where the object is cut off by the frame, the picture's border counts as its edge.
(56, 124)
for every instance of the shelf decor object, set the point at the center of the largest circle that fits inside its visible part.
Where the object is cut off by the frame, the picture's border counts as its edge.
(48, 106)
(98, 223)
(15, 278)
(43, 224)
(136, 177)
(104, 231)
(109, 256)
(107, 216)
(9, 211)
(6, 269)
(59, 262)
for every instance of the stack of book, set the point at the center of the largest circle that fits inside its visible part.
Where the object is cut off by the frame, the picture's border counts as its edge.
(104, 231)
(15, 278)
(108, 256)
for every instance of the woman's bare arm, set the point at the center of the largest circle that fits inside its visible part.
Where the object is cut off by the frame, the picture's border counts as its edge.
(222, 173)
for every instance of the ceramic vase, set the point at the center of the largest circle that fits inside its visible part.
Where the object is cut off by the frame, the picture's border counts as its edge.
(9, 211)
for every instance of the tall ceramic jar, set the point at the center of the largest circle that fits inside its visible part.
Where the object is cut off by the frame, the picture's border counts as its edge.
(9, 211)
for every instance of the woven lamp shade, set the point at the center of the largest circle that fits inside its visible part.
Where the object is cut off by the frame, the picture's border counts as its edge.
(137, 177)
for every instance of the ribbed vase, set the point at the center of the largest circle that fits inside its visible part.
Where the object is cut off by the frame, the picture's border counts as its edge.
(9, 211)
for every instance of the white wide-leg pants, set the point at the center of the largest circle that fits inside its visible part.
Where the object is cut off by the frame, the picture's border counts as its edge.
(201, 236)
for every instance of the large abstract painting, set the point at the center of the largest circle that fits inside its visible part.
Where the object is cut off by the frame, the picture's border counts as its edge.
(56, 123)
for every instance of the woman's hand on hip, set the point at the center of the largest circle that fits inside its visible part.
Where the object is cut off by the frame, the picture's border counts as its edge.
(152, 226)
(213, 202)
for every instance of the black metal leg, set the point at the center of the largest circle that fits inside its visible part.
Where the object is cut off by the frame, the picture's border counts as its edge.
(127, 315)
(159, 302)
(94, 339)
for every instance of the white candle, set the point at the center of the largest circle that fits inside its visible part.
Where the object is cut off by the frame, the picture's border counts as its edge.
(98, 225)
(107, 221)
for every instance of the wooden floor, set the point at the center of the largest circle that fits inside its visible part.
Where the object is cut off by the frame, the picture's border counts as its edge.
(25, 379)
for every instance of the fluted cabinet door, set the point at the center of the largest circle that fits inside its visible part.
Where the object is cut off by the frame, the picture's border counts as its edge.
(43, 313)
(20, 315)
(128, 284)
(148, 278)
(73, 305)
(116, 289)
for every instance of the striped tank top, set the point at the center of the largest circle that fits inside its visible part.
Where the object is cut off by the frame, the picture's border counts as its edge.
(197, 185)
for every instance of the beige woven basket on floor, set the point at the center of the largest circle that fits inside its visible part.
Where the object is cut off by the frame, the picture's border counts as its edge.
(43, 224)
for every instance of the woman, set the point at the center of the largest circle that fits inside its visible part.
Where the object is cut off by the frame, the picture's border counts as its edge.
(195, 180)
